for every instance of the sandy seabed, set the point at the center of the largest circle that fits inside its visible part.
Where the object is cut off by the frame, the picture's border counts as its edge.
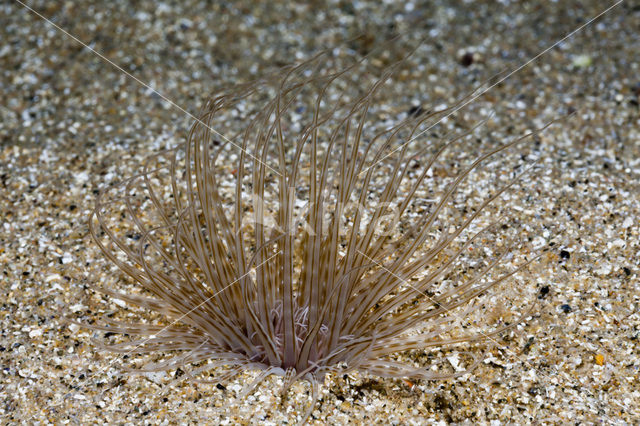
(72, 123)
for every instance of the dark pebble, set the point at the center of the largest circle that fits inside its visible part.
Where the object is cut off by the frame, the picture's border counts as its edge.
(415, 111)
(543, 291)
(466, 59)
